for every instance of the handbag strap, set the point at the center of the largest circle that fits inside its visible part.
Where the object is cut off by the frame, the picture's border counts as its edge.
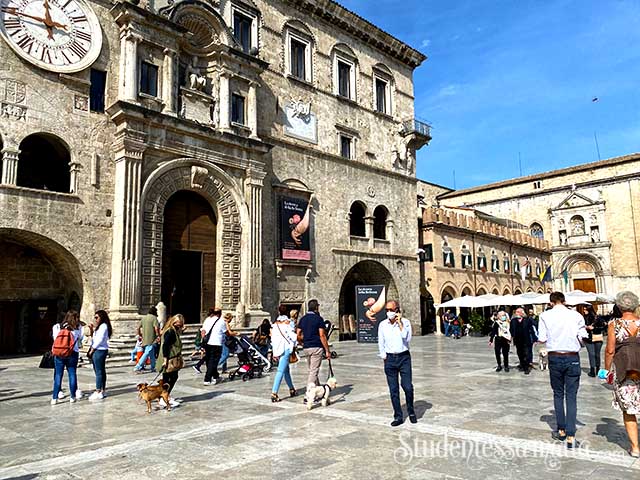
(283, 335)
(211, 329)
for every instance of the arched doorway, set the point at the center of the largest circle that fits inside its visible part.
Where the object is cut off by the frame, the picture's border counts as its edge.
(427, 312)
(40, 281)
(366, 272)
(188, 255)
(44, 163)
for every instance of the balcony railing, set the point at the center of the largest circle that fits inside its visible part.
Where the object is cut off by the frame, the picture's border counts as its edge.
(418, 127)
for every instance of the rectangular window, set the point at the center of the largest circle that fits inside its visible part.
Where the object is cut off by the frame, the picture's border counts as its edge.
(345, 146)
(149, 79)
(344, 79)
(381, 96)
(237, 109)
(96, 92)
(298, 59)
(242, 26)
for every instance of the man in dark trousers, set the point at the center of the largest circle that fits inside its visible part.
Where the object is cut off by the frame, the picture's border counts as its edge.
(313, 337)
(523, 335)
(394, 336)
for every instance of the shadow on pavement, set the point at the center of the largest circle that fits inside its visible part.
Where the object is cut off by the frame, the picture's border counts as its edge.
(421, 407)
(205, 396)
(613, 432)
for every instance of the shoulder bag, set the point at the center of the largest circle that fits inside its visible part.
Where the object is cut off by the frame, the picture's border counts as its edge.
(293, 357)
(205, 339)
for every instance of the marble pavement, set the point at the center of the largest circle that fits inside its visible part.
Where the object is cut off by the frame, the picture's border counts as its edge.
(474, 423)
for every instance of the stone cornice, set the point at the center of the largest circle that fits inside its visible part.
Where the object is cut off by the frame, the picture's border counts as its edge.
(357, 26)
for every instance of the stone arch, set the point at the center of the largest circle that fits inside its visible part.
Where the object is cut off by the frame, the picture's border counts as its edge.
(44, 163)
(481, 290)
(364, 272)
(358, 212)
(517, 291)
(199, 16)
(41, 281)
(495, 290)
(380, 219)
(466, 290)
(219, 190)
(569, 262)
(448, 292)
(506, 291)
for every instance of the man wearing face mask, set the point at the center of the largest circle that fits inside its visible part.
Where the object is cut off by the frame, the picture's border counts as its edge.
(394, 335)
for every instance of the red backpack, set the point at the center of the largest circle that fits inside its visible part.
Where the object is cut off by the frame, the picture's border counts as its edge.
(64, 344)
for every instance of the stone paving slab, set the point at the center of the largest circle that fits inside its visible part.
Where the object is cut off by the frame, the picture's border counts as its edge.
(474, 423)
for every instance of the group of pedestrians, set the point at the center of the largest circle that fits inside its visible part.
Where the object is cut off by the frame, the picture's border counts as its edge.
(67, 338)
(520, 330)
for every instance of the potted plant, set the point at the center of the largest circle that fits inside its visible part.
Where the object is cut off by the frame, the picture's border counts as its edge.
(477, 323)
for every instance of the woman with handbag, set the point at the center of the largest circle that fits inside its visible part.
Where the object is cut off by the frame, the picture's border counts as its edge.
(595, 326)
(283, 343)
(228, 341)
(170, 356)
(101, 333)
(622, 364)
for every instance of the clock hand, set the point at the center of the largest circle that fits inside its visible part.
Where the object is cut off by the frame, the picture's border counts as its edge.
(47, 19)
(16, 12)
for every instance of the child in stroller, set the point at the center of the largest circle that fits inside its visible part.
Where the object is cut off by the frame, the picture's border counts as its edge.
(251, 363)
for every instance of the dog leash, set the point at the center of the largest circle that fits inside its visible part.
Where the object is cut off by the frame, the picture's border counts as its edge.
(159, 373)
(331, 374)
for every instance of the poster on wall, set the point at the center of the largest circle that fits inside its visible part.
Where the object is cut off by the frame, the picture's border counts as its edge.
(370, 302)
(294, 229)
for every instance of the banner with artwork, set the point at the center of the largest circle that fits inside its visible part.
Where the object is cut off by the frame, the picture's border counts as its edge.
(370, 302)
(294, 229)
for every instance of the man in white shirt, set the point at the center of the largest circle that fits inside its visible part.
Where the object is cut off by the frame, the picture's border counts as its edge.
(563, 330)
(394, 336)
(213, 327)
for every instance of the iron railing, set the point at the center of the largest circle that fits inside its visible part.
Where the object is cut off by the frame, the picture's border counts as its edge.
(416, 126)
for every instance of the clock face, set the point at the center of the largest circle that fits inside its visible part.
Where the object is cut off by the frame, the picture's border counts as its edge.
(58, 35)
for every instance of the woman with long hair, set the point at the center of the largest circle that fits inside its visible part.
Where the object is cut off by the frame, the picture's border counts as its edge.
(170, 357)
(283, 343)
(102, 332)
(71, 324)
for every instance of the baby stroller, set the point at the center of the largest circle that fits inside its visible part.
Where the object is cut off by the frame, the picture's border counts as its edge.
(251, 363)
(331, 328)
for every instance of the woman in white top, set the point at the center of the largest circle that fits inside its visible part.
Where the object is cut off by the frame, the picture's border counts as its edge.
(98, 352)
(71, 322)
(283, 342)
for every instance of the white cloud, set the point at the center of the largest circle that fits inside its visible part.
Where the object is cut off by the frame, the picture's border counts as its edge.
(425, 43)
(448, 91)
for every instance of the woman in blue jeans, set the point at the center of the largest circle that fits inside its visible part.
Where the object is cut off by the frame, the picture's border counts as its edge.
(71, 322)
(228, 317)
(283, 342)
(99, 349)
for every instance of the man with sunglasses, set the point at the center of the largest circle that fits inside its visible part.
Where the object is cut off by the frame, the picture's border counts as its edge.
(394, 335)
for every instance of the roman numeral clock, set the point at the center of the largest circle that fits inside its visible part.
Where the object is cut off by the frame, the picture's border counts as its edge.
(58, 35)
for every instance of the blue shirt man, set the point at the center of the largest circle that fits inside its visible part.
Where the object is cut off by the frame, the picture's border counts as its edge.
(312, 335)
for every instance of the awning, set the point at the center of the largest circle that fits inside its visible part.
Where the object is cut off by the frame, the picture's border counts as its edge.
(575, 297)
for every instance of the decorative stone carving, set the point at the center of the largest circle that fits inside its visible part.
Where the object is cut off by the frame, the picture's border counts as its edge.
(577, 226)
(198, 176)
(81, 103)
(292, 296)
(371, 191)
(194, 79)
(12, 91)
(13, 111)
(180, 178)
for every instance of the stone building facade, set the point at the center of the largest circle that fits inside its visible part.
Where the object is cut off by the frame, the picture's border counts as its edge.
(148, 158)
(588, 213)
(463, 254)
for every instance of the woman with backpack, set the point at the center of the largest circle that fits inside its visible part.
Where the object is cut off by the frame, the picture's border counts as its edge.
(622, 360)
(170, 357)
(66, 350)
(98, 352)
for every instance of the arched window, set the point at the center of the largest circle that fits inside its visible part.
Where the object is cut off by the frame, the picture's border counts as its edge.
(448, 258)
(577, 226)
(482, 260)
(380, 215)
(516, 264)
(467, 260)
(536, 230)
(506, 263)
(495, 262)
(44, 163)
(356, 220)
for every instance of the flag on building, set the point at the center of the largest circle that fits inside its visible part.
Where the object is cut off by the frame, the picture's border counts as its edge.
(546, 276)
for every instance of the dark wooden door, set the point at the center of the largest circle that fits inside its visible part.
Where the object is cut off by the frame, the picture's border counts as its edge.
(9, 312)
(585, 284)
(189, 255)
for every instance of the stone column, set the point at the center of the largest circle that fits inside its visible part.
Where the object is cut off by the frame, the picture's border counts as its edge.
(224, 98)
(253, 197)
(368, 230)
(252, 110)
(74, 169)
(128, 66)
(125, 267)
(168, 82)
(10, 166)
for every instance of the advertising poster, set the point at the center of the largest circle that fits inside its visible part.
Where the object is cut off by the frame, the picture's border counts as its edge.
(370, 302)
(294, 229)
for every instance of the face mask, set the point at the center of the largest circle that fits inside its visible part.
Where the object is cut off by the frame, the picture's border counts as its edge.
(391, 315)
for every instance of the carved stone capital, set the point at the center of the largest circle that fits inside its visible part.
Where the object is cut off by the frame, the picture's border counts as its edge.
(9, 153)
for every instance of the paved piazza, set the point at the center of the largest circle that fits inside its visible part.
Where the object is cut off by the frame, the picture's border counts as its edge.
(473, 423)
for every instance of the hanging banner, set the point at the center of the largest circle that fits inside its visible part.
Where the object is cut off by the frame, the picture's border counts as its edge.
(294, 229)
(370, 302)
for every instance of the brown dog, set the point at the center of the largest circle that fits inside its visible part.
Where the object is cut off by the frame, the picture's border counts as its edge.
(149, 393)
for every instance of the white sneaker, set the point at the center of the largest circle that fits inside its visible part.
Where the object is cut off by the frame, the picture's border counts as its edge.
(216, 381)
(207, 383)
(72, 400)
(54, 401)
(61, 395)
(78, 393)
(96, 396)
(173, 403)
(162, 403)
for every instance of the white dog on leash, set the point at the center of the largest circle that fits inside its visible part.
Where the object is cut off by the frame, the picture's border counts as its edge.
(321, 393)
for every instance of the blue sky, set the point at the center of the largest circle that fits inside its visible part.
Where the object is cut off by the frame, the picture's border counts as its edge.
(518, 76)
